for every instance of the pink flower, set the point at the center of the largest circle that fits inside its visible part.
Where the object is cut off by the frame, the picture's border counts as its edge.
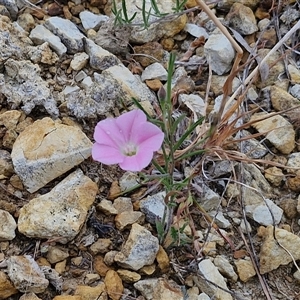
(128, 140)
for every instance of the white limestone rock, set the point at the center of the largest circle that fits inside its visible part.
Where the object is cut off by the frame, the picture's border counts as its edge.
(155, 71)
(154, 207)
(40, 34)
(219, 52)
(22, 84)
(68, 32)
(277, 130)
(26, 274)
(7, 226)
(92, 21)
(139, 250)
(209, 274)
(100, 59)
(46, 150)
(61, 212)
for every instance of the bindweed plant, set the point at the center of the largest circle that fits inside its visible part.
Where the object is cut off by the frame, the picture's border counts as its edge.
(131, 140)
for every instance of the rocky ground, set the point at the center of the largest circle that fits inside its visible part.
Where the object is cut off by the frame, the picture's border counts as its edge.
(69, 229)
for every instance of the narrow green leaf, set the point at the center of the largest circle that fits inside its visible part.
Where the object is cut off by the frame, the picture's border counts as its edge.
(187, 133)
(176, 123)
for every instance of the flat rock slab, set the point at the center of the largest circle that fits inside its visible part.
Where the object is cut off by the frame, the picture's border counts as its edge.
(46, 150)
(61, 212)
(210, 280)
(278, 131)
(26, 274)
(272, 255)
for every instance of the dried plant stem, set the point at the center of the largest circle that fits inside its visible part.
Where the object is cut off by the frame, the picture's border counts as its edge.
(227, 89)
(260, 277)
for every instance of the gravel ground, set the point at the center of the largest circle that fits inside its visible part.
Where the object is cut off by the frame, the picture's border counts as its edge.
(69, 229)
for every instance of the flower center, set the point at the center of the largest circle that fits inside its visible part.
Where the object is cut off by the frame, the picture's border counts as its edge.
(129, 149)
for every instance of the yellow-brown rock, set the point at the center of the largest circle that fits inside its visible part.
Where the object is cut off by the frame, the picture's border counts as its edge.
(114, 285)
(163, 259)
(6, 287)
(68, 297)
(245, 269)
(90, 293)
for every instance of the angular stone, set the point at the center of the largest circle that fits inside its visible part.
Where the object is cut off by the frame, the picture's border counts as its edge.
(61, 212)
(46, 150)
(114, 285)
(6, 166)
(68, 32)
(79, 61)
(106, 207)
(122, 204)
(219, 52)
(245, 269)
(163, 260)
(196, 30)
(126, 218)
(11, 6)
(167, 289)
(26, 275)
(294, 163)
(154, 207)
(100, 59)
(242, 19)
(129, 276)
(67, 297)
(294, 73)
(100, 267)
(92, 21)
(23, 84)
(282, 100)
(101, 246)
(277, 130)
(56, 254)
(29, 296)
(209, 274)
(6, 287)
(131, 85)
(271, 255)
(7, 226)
(146, 287)
(225, 268)
(273, 73)
(91, 293)
(10, 118)
(139, 250)
(274, 175)
(155, 71)
(194, 102)
(40, 34)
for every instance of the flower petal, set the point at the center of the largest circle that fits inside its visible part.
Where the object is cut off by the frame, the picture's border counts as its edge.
(108, 132)
(106, 154)
(130, 121)
(137, 162)
(149, 136)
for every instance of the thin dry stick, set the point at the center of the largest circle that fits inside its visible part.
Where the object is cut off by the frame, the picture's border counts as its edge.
(228, 84)
(261, 279)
